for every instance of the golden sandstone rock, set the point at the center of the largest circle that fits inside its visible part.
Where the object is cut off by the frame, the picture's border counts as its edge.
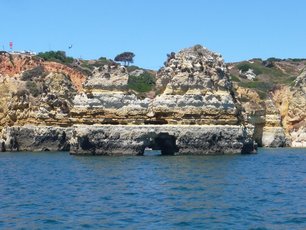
(193, 92)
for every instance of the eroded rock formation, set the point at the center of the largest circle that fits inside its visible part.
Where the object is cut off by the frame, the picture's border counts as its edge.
(291, 102)
(263, 117)
(192, 109)
(36, 138)
(171, 140)
(193, 88)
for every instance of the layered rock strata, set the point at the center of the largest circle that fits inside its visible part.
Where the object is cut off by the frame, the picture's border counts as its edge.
(193, 88)
(193, 109)
(291, 102)
(273, 133)
(263, 118)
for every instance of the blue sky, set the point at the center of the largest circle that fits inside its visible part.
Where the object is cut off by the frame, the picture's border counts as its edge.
(237, 29)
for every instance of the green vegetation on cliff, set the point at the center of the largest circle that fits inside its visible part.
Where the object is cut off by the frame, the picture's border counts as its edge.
(57, 56)
(33, 73)
(142, 83)
(32, 88)
(267, 74)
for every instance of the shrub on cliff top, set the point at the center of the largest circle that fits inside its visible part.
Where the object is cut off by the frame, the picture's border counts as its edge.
(245, 66)
(235, 78)
(33, 88)
(142, 83)
(132, 68)
(57, 56)
(33, 73)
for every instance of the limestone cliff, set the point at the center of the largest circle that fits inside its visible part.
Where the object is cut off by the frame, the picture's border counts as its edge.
(266, 97)
(193, 88)
(33, 91)
(291, 102)
(192, 92)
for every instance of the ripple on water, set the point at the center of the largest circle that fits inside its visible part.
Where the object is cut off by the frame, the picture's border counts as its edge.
(56, 190)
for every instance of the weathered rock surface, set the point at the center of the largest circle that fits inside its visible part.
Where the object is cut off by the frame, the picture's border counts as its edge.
(291, 102)
(36, 138)
(13, 65)
(173, 140)
(264, 118)
(298, 138)
(50, 105)
(249, 74)
(110, 77)
(195, 70)
(273, 133)
(192, 90)
(196, 88)
(193, 87)
(273, 137)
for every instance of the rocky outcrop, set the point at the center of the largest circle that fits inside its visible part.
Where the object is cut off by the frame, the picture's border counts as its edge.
(36, 138)
(41, 101)
(128, 139)
(193, 109)
(193, 88)
(291, 102)
(264, 118)
(278, 111)
(249, 74)
(273, 133)
(14, 64)
(273, 137)
(195, 70)
(298, 138)
(110, 77)
(77, 78)
(171, 140)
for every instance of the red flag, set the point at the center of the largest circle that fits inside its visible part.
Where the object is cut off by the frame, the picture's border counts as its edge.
(11, 45)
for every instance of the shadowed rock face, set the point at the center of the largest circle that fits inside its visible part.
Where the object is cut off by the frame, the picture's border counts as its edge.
(165, 143)
(171, 140)
(128, 140)
(36, 138)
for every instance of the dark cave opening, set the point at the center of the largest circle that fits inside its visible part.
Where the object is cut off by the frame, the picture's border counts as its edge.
(162, 144)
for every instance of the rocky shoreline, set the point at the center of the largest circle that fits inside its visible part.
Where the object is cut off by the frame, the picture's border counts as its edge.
(192, 106)
(129, 139)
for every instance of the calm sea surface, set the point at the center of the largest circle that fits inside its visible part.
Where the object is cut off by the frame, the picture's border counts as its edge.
(59, 191)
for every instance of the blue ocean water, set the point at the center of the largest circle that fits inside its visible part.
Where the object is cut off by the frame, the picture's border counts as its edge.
(59, 191)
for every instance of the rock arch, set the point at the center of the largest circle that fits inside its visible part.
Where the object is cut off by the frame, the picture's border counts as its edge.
(164, 142)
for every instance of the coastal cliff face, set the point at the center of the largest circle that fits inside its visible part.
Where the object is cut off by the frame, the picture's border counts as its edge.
(36, 138)
(291, 102)
(171, 140)
(33, 91)
(193, 88)
(273, 99)
(194, 94)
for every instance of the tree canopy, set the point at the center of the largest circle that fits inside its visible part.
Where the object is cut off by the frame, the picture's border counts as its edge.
(125, 57)
(58, 56)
